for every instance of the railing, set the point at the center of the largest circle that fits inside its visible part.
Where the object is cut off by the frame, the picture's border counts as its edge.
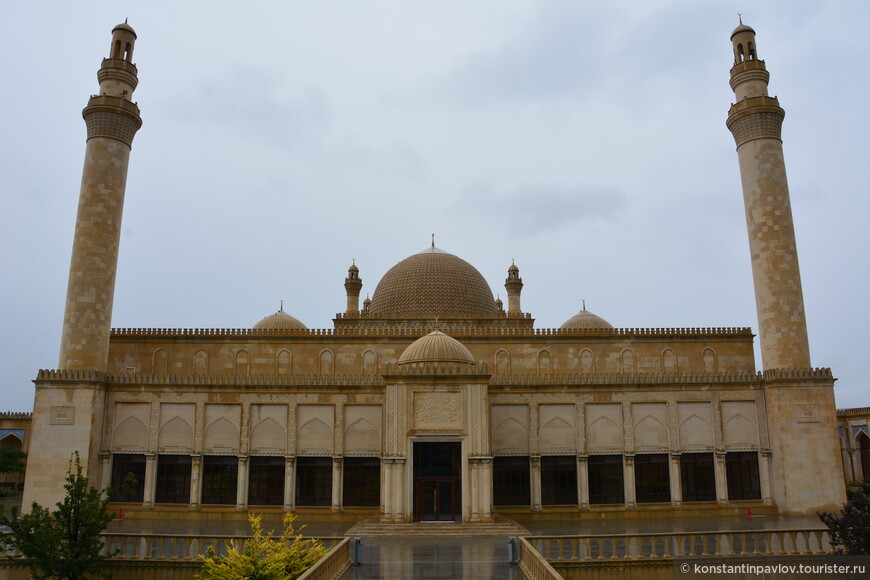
(533, 564)
(333, 565)
(664, 546)
(166, 547)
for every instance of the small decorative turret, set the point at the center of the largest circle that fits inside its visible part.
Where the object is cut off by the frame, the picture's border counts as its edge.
(499, 304)
(353, 285)
(514, 286)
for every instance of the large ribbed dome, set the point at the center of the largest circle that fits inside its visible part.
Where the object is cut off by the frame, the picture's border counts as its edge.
(436, 347)
(585, 319)
(433, 284)
(279, 321)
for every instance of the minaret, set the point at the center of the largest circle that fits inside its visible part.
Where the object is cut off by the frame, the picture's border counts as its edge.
(755, 120)
(353, 285)
(514, 286)
(112, 120)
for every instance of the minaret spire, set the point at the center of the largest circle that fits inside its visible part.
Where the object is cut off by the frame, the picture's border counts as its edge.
(352, 285)
(755, 120)
(112, 120)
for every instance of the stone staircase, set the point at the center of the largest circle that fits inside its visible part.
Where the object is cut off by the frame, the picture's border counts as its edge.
(499, 527)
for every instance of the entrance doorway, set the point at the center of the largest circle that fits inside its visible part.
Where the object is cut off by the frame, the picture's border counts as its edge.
(437, 481)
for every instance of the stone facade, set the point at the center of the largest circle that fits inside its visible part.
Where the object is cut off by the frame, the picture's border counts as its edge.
(433, 402)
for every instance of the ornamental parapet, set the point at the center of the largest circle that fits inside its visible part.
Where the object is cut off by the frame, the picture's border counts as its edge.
(437, 368)
(417, 332)
(857, 412)
(20, 415)
(823, 374)
(252, 380)
(117, 69)
(661, 379)
(113, 117)
(755, 118)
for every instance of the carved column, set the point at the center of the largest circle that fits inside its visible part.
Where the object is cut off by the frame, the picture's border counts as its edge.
(337, 482)
(721, 478)
(242, 484)
(105, 469)
(150, 480)
(289, 483)
(389, 497)
(486, 487)
(676, 482)
(536, 482)
(195, 476)
(583, 481)
(764, 475)
(630, 496)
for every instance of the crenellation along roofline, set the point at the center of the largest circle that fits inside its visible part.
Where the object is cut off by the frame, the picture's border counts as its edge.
(417, 332)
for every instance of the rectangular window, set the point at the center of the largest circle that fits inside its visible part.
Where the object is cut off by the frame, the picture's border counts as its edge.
(559, 480)
(362, 481)
(606, 479)
(314, 481)
(220, 479)
(741, 470)
(652, 482)
(128, 477)
(511, 481)
(266, 481)
(173, 479)
(698, 477)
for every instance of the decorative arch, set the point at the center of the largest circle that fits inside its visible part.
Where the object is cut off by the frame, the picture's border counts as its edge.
(604, 433)
(222, 434)
(268, 434)
(740, 431)
(176, 433)
(284, 363)
(132, 432)
(200, 363)
(696, 433)
(502, 362)
(587, 361)
(11, 441)
(545, 362)
(650, 433)
(243, 363)
(558, 435)
(369, 362)
(669, 361)
(362, 436)
(711, 361)
(327, 362)
(158, 361)
(510, 436)
(627, 361)
(315, 436)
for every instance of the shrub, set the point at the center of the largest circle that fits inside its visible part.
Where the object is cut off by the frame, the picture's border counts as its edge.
(850, 530)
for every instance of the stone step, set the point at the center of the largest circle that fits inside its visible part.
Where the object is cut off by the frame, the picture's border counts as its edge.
(500, 527)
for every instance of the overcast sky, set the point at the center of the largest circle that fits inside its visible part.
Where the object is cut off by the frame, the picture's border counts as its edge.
(587, 140)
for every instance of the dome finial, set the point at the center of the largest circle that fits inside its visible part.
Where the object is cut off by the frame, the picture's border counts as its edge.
(281, 308)
(433, 240)
(740, 18)
(583, 300)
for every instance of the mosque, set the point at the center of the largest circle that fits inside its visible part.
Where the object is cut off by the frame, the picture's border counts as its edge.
(433, 400)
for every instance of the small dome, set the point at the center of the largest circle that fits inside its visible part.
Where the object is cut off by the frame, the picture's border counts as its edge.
(353, 268)
(433, 284)
(280, 321)
(436, 347)
(742, 28)
(585, 319)
(127, 27)
(513, 268)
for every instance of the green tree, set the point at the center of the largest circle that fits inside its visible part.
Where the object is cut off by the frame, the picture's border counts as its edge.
(850, 529)
(63, 544)
(264, 557)
(12, 460)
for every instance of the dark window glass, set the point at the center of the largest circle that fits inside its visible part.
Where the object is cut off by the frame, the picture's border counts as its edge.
(559, 480)
(314, 481)
(125, 487)
(362, 481)
(698, 477)
(266, 481)
(741, 469)
(220, 479)
(173, 479)
(511, 481)
(606, 479)
(652, 482)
